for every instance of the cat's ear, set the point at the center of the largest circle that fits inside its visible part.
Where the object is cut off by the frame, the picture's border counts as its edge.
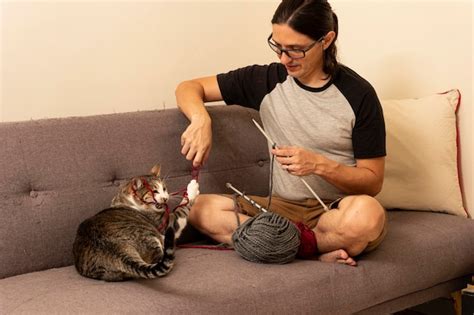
(137, 183)
(156, 170)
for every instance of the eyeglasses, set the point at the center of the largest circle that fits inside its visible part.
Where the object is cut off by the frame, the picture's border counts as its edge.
(292, 53)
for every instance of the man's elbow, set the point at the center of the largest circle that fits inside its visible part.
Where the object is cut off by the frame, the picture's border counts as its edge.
(182, 86)
(375, 188)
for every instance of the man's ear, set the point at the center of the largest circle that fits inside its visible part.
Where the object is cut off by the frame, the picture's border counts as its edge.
(328, 39)
(156, 170)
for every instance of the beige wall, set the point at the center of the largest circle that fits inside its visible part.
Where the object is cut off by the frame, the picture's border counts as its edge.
(69, 58)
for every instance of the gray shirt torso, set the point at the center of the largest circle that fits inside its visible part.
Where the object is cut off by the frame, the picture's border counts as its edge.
(342, 120)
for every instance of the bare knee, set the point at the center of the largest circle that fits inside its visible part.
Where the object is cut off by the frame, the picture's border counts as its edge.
(206, 206)
(362, 221)
(200, 209)
(213, 215)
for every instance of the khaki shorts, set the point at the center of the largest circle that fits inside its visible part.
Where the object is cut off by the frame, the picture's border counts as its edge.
(307, 211)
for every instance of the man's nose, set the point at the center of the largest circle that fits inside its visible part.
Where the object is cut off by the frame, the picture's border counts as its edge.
(284, 58)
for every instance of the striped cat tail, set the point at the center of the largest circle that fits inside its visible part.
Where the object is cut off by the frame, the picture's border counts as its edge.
(169, 247)
(140, 269)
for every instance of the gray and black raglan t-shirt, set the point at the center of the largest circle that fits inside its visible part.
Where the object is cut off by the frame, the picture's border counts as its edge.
(342, 120)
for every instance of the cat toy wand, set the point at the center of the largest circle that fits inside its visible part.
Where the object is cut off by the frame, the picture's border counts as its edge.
(274, 145)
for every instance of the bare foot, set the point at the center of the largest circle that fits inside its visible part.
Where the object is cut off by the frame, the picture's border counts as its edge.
(340, 256)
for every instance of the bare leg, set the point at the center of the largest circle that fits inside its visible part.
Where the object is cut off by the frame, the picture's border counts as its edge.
(344, 233)
(214, 216)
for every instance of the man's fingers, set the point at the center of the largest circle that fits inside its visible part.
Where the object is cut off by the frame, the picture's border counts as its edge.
(285, 153)
(198, 159)
(185, 149)
(191, 154)
(284, 160)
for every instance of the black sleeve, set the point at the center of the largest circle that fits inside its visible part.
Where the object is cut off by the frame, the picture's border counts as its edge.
(368, 135)
(248, 86)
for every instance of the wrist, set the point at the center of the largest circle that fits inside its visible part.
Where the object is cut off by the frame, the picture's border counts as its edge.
(201, 119)
(326, 167)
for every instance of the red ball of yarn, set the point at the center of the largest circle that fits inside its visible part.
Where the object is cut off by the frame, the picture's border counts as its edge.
(308, 245)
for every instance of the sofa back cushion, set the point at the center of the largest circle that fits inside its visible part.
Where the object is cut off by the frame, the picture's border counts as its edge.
(421, 169)
(57, 172)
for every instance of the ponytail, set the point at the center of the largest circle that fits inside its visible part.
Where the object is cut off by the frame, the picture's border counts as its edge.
(330, 63)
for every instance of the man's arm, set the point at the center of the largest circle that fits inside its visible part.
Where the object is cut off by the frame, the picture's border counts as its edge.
(364, 178)
(196, 140)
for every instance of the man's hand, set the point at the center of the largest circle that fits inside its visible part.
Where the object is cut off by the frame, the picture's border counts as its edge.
(365, 178)
(298, 161)
(196, 140)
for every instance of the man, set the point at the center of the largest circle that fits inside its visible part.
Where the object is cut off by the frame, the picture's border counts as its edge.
(327, 122)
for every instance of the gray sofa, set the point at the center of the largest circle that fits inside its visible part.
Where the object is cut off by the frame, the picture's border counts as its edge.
(56, 172)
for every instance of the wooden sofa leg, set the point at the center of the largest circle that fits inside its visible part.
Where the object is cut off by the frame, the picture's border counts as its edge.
(457, 302)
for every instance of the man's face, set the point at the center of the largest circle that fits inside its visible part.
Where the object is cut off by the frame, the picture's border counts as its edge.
(304, 69)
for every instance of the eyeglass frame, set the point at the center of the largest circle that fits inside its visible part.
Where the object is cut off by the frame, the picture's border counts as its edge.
(286, 51)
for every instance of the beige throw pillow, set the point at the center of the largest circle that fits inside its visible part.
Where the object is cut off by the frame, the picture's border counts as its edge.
(421, 170)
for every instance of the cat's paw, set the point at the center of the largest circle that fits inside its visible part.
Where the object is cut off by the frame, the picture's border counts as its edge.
(193, 190)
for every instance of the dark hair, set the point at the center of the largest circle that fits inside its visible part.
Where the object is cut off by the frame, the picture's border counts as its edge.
(313, 18)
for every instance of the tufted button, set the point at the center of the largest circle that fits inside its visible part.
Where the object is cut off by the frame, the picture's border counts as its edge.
(33, 194)
(116, 182)
(261, 163)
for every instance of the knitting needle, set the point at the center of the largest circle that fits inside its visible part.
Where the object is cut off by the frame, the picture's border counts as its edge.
(252, 202)
(264, 133)
(315, 195)
(274, 145)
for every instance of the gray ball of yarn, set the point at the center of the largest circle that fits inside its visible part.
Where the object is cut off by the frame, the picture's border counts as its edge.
(267, 238)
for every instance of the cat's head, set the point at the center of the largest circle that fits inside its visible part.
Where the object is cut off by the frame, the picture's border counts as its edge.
(143, 192)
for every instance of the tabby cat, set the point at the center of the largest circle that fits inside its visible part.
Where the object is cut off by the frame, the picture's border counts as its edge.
(136, 236)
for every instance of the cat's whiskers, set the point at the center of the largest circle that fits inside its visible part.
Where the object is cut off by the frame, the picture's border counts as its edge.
(166, 176)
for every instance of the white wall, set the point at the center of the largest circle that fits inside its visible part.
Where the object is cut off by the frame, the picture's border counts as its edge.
(69, 58)
(82, 58)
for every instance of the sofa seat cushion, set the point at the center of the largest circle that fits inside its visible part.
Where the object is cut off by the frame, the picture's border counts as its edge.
(420, 251)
